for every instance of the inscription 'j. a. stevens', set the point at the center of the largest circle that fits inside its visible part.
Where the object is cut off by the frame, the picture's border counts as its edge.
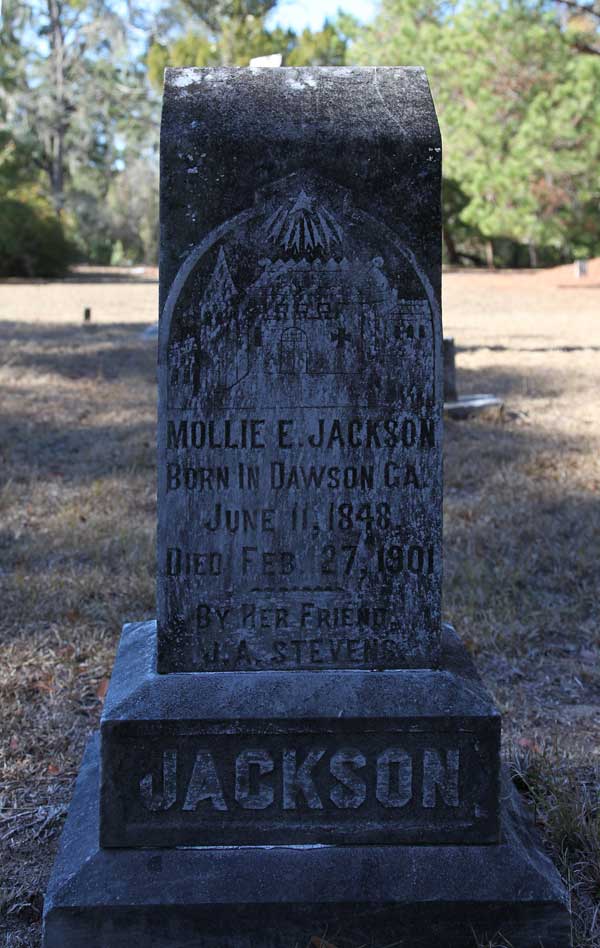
(300, 444)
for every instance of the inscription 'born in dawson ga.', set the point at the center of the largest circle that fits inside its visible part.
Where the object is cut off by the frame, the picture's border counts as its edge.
(300, 443)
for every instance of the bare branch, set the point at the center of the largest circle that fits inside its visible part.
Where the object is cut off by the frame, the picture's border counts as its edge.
(586, 48)
(593, 9)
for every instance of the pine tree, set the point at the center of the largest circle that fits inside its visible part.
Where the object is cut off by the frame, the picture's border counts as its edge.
(520, 115)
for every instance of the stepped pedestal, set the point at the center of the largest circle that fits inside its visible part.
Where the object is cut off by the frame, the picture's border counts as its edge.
(350, 857)
(266, 758)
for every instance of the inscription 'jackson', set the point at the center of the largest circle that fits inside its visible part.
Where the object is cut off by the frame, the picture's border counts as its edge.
(313, 779)
(252, 434)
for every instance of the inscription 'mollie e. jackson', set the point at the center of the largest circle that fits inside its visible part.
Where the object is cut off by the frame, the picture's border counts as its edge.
(300, 444)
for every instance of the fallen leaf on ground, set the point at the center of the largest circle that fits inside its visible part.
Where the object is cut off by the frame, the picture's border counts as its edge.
(102, 688)
(529, 744)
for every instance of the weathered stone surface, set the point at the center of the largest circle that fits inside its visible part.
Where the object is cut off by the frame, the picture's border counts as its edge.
(407, 756)
(274, 897)
(300, 370)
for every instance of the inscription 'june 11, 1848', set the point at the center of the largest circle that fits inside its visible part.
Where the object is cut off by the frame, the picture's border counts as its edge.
(300, 443)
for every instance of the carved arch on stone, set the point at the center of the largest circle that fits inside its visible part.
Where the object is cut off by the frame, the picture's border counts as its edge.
(223, 230)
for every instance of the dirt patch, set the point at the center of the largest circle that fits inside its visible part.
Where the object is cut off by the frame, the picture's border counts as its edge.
(584, 275)
(113, 294)
(77, 527)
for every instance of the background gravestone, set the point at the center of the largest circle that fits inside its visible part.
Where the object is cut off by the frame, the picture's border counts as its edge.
(450, 389)
(298, 688)
(463, 406)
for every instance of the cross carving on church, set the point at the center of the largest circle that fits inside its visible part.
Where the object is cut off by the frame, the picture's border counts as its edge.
(340, 337)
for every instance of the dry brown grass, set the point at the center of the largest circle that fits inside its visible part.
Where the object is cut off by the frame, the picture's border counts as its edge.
(77, 510)
(77, 515)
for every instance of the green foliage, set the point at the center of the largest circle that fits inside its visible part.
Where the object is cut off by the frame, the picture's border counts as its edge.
(236, 45)
(213, 13)
(226, 33)
(132, 208)
(236, 32)
(520, 116)
(32, 240)
(76, 101)
(15, 165)
(515, 82)
(325, 47)
(462, 244)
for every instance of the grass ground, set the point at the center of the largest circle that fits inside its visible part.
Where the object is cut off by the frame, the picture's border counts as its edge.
(522, 536)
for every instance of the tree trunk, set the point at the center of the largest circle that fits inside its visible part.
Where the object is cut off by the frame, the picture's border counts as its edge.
(61, 120)
(489, 253)
(450, 246)
(533, 259)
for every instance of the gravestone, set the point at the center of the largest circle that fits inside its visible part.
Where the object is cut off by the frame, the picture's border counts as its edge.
(463, 406)
(298, 745)
(300, 438)
(450, 389)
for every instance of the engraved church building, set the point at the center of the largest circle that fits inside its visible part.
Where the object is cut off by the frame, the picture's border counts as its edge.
(310, 318)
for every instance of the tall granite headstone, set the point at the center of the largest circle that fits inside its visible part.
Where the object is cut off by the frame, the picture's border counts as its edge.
(300, 368)
(298, 687)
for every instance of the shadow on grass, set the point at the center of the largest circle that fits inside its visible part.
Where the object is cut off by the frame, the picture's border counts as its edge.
(522, 517)
(98, 426)
(79, 352)
(507, 383)
(479, 347)
(77, 453)
(522, 525)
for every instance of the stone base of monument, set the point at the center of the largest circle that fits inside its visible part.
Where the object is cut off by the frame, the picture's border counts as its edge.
(324, 756)
(356, 826)
(466, 406)
(279, 896)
